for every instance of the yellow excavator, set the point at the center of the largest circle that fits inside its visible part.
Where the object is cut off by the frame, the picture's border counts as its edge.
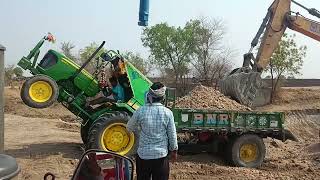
(244, 84)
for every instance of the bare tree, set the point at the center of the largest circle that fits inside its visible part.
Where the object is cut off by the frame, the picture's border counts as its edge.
(66, 48)
(222, 66)
(212, 60)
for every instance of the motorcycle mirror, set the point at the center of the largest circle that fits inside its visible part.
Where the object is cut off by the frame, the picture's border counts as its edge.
(100, 165)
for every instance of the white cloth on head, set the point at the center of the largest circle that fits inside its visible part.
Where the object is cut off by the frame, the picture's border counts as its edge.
(158, 93)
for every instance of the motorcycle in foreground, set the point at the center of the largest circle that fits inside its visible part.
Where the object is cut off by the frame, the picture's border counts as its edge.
(93, 165)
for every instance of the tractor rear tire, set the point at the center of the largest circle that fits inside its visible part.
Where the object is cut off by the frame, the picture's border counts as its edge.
(39, 92)
(109, 133)
(246, 151)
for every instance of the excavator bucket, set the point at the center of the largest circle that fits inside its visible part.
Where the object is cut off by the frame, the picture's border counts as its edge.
(242, 86)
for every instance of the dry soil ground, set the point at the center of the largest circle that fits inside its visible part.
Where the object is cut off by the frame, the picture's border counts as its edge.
(48, 141)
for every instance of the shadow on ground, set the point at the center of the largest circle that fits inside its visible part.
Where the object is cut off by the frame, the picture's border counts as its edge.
(66, 149)
(203, 158)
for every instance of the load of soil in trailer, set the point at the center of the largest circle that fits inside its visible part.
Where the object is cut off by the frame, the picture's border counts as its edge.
(202, 97)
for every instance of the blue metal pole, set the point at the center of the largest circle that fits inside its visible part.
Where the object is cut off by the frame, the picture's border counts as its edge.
(143, 13)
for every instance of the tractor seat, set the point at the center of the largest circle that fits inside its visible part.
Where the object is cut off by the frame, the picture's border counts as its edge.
(8, 167)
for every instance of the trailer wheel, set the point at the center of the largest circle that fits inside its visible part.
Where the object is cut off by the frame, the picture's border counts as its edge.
(109, 133)
(39, 92)
(247, 151)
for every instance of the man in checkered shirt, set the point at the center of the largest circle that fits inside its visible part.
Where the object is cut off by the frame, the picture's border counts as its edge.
(158, 136)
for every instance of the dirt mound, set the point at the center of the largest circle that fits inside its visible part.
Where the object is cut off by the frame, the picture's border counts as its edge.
(280, 163)
(289, 95)
(14, 105)
(314, 148)
(202, 97)
(289, 99)
(72, 127)
(305, 125)
(40, 146)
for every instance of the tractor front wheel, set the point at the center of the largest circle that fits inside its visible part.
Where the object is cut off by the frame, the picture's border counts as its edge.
(109, 133)
(39, 92)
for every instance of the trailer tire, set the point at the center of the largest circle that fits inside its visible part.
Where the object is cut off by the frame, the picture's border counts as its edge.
(246, 151)
(109, 133)
(39, 92)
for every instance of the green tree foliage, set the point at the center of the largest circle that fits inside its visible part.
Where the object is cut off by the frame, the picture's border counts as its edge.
(138, 61)
(197, 47)
(18, 72)
(10, 73)
(171, 47)
(287, 60)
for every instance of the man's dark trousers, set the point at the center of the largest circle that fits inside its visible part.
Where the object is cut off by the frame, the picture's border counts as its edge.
(158, 169)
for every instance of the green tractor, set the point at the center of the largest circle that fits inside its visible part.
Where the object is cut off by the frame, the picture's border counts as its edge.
(58, 78)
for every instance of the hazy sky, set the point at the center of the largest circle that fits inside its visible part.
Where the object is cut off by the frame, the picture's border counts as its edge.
(24, 22)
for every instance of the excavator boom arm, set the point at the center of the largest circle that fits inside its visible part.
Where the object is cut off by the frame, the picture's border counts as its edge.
(282, 18)
(244, 84)
(304, 25)
(273, 32)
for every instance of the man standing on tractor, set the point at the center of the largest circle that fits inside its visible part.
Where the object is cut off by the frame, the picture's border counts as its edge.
(157, 136)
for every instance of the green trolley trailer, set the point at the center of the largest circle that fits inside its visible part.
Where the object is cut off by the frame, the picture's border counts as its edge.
(238, 136)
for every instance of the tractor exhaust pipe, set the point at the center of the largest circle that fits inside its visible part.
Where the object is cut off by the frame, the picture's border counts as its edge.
(87, 62)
